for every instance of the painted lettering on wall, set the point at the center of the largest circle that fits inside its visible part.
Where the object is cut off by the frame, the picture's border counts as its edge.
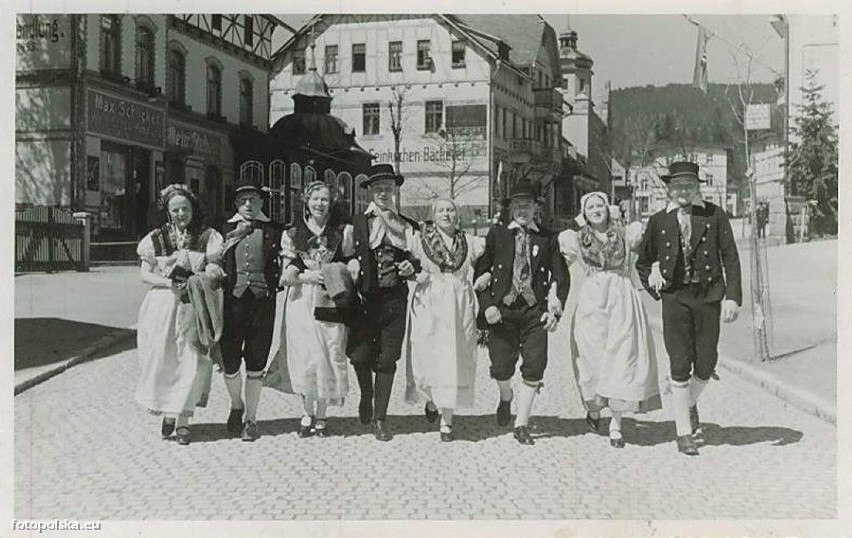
(124, 119)
(192, 140)
(43, 41)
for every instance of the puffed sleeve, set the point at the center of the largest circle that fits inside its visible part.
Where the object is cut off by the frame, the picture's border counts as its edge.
(347, 246)
(288, 251)
(568, 246)
(215, 246)
(145, 250)
(476, 246)
(633, 235)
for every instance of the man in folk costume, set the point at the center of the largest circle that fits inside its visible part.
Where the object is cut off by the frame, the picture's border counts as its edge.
(383, 265)
(524, 262)
(688, 258)
(252, 267)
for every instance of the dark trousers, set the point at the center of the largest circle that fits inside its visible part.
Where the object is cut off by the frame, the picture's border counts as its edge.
(247, 331)
(691, 332)
(375, 342)
(520, 332)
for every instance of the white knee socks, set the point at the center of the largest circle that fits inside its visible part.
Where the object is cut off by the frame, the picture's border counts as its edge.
(526, 395)
(234, 384)
(254, 384)
(696, 387)
(680, 402)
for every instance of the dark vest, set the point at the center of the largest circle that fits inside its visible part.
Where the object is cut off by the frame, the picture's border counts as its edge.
(369, 277)
(271, 266)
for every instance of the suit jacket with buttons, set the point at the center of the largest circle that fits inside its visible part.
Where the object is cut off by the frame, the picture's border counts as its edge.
(546, 264)
(271, 265)
(716, 262)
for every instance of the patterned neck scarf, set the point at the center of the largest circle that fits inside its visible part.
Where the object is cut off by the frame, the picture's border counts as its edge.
(387, 224)
(607, 253)
(437, 251)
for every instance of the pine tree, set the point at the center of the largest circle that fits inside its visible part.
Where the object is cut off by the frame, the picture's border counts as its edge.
(812, 160)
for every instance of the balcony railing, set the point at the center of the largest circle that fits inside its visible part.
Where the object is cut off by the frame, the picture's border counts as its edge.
(547, 101)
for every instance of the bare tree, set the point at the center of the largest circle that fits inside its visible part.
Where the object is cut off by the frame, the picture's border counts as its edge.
(398, 117)
(457, 150)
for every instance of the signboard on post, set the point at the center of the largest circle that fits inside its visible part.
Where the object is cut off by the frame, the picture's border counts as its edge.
(757, 117)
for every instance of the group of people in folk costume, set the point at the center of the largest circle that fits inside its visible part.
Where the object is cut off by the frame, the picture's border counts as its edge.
(296, 308)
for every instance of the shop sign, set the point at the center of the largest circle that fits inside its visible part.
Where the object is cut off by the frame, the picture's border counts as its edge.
(124, 119)
(193, 140)
(42, 42)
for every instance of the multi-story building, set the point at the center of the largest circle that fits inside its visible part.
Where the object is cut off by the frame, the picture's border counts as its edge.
(582, 126)
(462, 105)
(649, 191)
(111, 107)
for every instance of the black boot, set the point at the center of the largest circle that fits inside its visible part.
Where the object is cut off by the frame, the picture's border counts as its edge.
(365, 407)
(383, 387)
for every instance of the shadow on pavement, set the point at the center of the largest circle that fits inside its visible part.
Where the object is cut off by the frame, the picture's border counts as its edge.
(45, 341)
(654, 433)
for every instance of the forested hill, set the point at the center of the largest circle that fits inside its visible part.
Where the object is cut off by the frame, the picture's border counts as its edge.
(647, 121)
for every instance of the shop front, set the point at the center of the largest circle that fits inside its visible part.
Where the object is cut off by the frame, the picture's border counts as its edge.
(124, 148)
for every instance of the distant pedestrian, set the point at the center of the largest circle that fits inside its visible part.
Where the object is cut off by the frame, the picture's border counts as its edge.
(442, 334)
(688, 258)
(523, 260)
(612, 347)
(384, 267)
(251, 261)
(762, 219)
(311, 360)
(176, 363)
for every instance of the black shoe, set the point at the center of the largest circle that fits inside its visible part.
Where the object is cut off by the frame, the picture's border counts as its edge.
(365, 410)
(182, 435)
(306, 431)
(447, 436)
(686, 445)
(593, 423)
(250, 432)
(522, 434)
(235, 421)
(616, 441)
(504, 412)
(167, 428)
(431, 416)
(320, 427)
(380, 430)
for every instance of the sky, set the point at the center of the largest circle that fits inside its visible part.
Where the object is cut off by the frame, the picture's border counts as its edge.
(638, 50)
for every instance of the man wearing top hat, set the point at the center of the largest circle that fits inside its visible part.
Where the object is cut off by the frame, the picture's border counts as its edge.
(383, 265)
(689, 259)
(524, 261)
(252, 270)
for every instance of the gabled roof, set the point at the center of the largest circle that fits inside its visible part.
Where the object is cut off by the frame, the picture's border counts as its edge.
(522, 32)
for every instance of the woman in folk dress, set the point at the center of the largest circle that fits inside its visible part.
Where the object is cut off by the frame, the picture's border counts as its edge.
(176, 371)
(442, 335)
(611, 342)
(311, 360)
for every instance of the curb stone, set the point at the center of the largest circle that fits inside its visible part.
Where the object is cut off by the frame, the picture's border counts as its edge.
(794, 396)
(102, 343)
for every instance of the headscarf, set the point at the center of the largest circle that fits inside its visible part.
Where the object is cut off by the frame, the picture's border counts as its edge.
(607, 253)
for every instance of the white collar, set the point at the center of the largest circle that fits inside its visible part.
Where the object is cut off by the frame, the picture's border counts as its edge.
(514, 224)
(260, 217)
(673, 206)
(373, 209)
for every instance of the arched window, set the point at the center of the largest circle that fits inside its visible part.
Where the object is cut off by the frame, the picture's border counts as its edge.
(310, 174)
(176, 76)
(294, 193)
(344, 191)
(277, 179)
(214, 89)
(330, 177)
(144, 58)
(252, 171)
(361, 197)
(110, 45)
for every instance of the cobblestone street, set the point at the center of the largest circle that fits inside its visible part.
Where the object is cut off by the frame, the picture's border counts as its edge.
(86, 450)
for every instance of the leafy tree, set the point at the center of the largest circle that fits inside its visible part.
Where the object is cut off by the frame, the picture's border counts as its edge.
(812, 159)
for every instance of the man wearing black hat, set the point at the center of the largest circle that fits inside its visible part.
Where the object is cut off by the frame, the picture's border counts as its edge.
(524, 261)
(252, 268)
(688, 258)
(383, 265)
